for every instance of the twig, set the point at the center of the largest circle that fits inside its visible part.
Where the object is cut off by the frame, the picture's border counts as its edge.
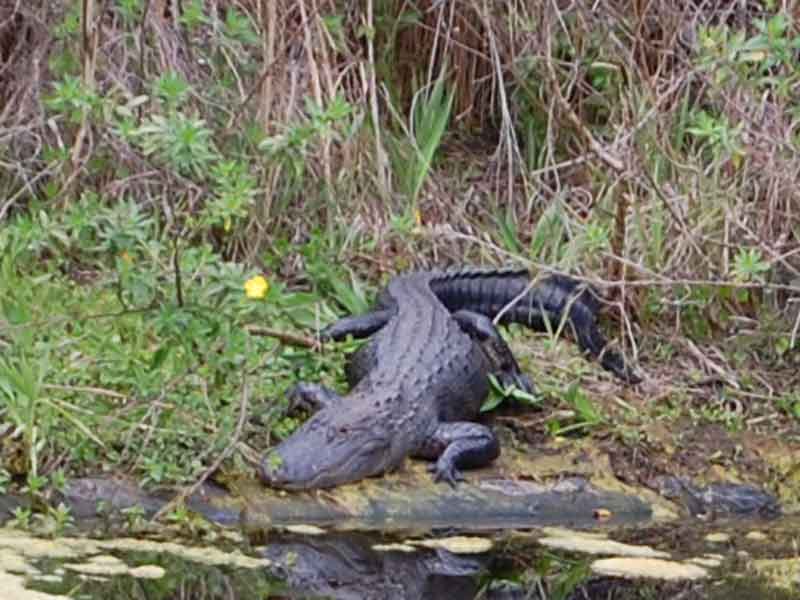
(142, 45)
(86, 390)
(291, 339)
(176, 265)
(267, 70)
(381, 160)
(187, 492)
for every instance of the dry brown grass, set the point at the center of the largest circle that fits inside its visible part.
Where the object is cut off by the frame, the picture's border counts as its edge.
(605, 87)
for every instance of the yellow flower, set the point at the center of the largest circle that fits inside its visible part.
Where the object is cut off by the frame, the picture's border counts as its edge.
(256, 287)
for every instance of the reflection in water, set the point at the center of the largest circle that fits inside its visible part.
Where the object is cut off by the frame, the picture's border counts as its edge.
(348, 567)
(360, 566)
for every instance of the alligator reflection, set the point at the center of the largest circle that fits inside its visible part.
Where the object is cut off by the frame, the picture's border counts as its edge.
(349, 567)
(352, 566)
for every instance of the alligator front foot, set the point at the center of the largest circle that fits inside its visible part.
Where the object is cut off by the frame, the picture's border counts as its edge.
(458, 445)
(508, 380)
(445, 471)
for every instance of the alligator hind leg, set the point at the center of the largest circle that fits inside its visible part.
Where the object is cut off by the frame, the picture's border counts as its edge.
(312, 397)
(503, 364)
(459, 445)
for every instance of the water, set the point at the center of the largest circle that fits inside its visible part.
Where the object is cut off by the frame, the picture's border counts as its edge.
(351, 565)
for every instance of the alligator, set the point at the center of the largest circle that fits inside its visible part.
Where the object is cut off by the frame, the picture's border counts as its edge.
(420, 381)
(346, 566)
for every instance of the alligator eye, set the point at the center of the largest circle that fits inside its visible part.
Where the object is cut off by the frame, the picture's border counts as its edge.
(343, 430)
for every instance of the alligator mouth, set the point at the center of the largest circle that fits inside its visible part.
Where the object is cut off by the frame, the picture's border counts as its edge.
(370, 459)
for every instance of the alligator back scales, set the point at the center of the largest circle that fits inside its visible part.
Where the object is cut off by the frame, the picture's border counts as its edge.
(419, 382)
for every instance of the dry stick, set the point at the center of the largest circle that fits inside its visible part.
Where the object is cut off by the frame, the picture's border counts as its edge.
(186, 492)
(86, 390)
(176, 266)
(142, 33)
(89, 41)
(313, 68)
(656, 280)
(795, 329)
(267, 70)
(26, 187)
(291, 339)
(268, 48)
(507, 129)
(612, 161)
(380, 152)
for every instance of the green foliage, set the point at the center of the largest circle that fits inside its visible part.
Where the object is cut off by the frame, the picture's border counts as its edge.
(596, 237)
(790, 404)
(192, 16)
(429, 119)
(71, 98)
(237, 27)
(558, 575)
(547, 241)
(130, 10)
(731, 54)
(509, 235)
(168, 376)
(22, 517)
(748, 265)
(181, 142)
(500, 394)
(172, 89)
(586, 413)
(292, 148)
(331, 277)
(234, 193)
(718, 136)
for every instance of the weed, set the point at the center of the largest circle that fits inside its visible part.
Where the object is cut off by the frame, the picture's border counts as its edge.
(22, 517)
(430, 114)
(586, 414)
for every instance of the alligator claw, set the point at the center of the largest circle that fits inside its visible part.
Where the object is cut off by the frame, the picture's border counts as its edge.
(446, 472)
(509, 381)
(520, 381)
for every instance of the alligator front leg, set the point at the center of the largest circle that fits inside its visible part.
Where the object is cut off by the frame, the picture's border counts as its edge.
(459, 445)
(360, 326)
(312, 397)
(503, 364)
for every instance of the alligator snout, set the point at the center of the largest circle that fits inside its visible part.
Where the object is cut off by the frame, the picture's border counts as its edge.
(276, 472)
(302, 473)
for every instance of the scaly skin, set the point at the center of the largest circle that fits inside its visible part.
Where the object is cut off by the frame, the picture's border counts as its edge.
(421, 379)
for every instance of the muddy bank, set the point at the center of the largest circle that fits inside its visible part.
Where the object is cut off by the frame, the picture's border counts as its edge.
(570, 484)
(518, 491)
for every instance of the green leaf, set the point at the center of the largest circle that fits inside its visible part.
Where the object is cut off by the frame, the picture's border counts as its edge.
(159, 357)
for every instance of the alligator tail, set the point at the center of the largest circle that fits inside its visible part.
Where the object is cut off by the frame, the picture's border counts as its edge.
(505, 292)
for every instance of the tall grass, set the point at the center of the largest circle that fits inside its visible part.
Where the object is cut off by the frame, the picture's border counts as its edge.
(661, 135)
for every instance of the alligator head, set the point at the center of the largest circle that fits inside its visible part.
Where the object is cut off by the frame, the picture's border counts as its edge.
(328, 450)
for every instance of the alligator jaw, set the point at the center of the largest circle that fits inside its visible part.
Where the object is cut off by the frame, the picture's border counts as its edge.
(324, 456)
